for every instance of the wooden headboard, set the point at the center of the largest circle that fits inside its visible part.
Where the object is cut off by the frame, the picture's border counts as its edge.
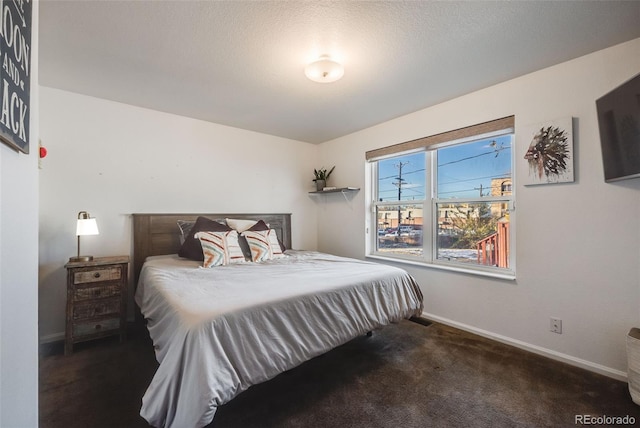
(158, 234)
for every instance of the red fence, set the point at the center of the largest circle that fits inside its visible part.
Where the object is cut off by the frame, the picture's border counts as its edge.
(494, 249)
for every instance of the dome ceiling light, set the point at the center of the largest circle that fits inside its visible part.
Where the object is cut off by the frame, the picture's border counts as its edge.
(324, 70)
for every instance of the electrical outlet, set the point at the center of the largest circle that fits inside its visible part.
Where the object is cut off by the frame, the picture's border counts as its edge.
(556, 325)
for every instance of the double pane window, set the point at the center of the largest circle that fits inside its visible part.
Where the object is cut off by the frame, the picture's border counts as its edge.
(447, 205)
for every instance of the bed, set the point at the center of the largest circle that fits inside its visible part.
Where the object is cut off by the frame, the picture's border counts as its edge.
(217, 331)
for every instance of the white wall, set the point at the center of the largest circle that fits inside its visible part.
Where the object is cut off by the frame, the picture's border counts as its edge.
(19, 269)
(112, 160)
(577, 245)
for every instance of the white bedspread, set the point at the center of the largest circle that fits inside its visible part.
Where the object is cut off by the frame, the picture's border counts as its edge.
(218, 331)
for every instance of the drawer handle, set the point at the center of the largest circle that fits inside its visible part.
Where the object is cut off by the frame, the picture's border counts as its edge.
(96, 275)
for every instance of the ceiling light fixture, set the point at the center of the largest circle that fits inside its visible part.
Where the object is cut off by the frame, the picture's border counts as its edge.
(324, 70)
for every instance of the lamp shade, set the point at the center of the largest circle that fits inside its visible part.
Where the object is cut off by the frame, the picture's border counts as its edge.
(324, 70)
(87, 226)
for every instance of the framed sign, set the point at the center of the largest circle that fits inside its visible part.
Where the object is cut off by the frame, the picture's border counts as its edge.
(15, 73)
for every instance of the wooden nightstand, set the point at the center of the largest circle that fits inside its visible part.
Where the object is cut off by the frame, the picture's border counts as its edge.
(96, 299)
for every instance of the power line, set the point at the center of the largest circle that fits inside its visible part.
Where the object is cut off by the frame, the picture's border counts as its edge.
(496, 151)
(506, 175)
(404, 173)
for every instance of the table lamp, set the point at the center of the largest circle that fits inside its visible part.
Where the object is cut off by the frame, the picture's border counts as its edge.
(86, 226)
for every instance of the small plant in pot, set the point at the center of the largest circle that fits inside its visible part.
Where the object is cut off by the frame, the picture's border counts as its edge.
(322, 175)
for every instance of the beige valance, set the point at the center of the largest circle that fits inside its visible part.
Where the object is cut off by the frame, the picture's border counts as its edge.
(505, 124)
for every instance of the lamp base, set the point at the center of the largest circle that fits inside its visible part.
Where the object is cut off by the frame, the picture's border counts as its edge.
(81, 259)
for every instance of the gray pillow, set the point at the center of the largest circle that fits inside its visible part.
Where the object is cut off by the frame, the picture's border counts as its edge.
(185, 227)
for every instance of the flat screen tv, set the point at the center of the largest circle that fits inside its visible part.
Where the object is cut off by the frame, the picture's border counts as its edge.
(619, 123)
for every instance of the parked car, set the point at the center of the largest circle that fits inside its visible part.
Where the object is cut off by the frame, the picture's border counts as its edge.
(405, 230)
(391, 232)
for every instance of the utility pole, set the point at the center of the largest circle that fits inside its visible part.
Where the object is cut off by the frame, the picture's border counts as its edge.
(399, 184)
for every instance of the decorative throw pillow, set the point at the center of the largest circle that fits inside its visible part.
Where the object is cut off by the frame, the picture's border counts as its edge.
(244, 245)
(261, 225)
(240, 225)
(185, 227)
(220, 248)
(263, 244)
(191, 249)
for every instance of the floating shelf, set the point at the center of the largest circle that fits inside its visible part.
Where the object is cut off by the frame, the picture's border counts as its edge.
(338, 190)
(343, 190)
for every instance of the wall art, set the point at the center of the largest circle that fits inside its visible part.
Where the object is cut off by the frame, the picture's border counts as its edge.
(546, 153)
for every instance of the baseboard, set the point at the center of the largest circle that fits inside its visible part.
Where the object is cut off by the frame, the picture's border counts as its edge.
(558, 356)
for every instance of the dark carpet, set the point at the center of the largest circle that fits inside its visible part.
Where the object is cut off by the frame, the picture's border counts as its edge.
(406, 375)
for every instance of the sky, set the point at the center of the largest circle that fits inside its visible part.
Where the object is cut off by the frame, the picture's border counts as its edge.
(463, 170)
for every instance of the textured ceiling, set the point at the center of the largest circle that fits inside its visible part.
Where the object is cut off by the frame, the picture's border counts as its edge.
(240, 63)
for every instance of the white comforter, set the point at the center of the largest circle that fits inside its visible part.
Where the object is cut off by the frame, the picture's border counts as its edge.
(218, 331)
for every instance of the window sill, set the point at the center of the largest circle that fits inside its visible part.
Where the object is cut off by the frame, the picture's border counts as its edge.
(507, 276)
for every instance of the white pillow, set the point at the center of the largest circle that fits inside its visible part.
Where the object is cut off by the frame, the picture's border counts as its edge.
(240, 225)
(220, 248)
(263, 244)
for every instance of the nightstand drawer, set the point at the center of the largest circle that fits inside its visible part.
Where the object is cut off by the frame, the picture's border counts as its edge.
(96, 326)
(96, 309)
(87, 293)
(96, 275)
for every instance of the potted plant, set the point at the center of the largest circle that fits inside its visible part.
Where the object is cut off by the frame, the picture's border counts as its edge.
(322, 175)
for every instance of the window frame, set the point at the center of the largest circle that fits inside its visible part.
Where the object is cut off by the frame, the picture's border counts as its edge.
(431, 201)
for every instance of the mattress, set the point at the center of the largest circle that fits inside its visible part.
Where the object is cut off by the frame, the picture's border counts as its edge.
(218, 331)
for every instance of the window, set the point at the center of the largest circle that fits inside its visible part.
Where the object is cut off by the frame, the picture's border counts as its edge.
(447, 204)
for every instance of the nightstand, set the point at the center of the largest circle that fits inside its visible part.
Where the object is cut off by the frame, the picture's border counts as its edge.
(96, 299)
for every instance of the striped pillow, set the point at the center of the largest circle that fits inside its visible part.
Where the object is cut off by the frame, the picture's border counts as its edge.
(220, 248)
(264, 245)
